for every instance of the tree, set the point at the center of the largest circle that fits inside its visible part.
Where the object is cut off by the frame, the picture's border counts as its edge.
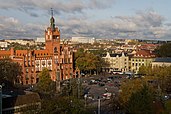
(164, 50)
(9, 71)
(146, 70)
(141, 102)
(88, 62)
(160, 73)
(142, 70)
(129, 87)
(63, 105)
(45, 83)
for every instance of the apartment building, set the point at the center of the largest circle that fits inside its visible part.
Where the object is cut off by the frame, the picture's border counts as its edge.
(117, 62)
(141, 58)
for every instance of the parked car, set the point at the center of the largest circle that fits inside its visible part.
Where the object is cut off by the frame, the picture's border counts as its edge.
(107, 95)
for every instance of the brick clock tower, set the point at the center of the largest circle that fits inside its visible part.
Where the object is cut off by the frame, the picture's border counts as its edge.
(52, 38)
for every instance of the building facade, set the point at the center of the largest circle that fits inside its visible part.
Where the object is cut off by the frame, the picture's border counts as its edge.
(58, 58)
(83, 40)
(117, 62)
(141, 58)
(161, 62)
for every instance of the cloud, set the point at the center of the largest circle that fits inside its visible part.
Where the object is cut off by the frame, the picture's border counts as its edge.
(142, 25)
(64, 6)
(11, 28)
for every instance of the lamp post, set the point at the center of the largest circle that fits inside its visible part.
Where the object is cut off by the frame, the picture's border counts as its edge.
(98, 105)
(85, 97)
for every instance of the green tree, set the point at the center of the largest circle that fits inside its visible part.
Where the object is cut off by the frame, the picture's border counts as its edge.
(146, 70)
(88, 62)
(63, 105)
(141, 102)
(142, 70)
(164, 50)
(128, 88)
(45, 84)
(10, 71)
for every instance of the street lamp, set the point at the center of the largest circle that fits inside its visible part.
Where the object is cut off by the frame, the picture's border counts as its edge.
(98, 105)
(85, 97)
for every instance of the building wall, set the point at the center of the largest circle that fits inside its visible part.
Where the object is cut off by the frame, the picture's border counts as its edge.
(83, 39)
(154, 64)
(117, 63)
(137, 62)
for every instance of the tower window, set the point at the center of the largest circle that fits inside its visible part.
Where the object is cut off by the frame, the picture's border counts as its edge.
(55, 50)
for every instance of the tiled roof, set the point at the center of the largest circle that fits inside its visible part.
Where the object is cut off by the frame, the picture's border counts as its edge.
(144, 53)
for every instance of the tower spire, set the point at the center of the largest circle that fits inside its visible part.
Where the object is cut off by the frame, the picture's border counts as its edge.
(52, 20)
(52, 12)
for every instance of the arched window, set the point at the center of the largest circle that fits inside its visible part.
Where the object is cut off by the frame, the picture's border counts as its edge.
(55, 50)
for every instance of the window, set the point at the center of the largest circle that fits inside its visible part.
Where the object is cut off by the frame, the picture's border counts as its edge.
(33, 63)
(32, 70)
(43, 63)
(37, 63)
(55, 50)
(49, 63)
(27, 70)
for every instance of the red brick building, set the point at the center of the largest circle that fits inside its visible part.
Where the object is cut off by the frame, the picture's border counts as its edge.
(58, 58)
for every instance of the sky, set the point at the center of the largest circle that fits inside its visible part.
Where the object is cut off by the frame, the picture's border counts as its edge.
(125, 19)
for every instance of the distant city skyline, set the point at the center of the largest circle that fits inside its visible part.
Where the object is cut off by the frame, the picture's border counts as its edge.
(131, 19)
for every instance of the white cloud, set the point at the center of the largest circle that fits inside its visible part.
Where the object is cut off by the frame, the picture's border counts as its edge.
(12, 28)
(71, 6)
(144, 24)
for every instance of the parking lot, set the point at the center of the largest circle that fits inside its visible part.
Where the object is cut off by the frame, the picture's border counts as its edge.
(98, 86)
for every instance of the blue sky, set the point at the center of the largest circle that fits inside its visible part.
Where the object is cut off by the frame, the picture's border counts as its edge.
(131, 19)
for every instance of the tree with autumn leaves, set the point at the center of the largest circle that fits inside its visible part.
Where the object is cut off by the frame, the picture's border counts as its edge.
(88, 62)
(45, 84)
